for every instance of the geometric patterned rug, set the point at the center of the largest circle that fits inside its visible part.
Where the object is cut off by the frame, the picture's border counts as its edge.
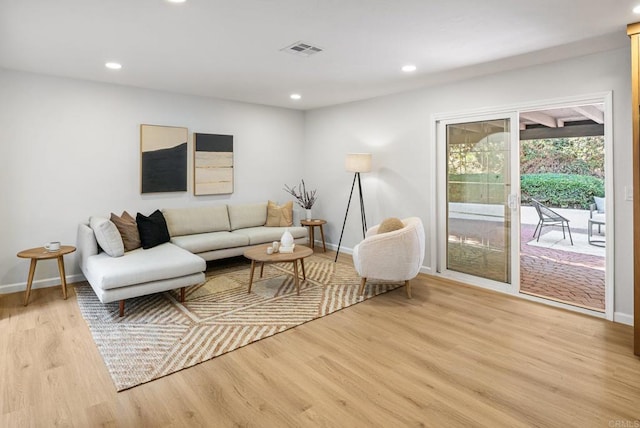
(159, 335)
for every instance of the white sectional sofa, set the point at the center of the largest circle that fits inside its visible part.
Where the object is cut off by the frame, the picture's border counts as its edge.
(197, 234)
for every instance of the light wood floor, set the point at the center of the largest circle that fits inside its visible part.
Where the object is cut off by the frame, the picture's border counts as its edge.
(451, 356)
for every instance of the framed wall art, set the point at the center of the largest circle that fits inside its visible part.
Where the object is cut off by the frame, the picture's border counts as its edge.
(213, 164)
(163, 158)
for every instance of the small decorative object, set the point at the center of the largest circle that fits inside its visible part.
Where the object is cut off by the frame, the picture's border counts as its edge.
(286, 241)
(269, 250)
(305, 198)
(52, 246)
(275, 246)
(288, 250)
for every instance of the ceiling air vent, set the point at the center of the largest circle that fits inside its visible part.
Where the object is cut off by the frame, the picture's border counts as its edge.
(302, 49)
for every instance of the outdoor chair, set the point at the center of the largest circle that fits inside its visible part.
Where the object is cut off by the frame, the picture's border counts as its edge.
(597, 218)
(549, 217)
(596, 212)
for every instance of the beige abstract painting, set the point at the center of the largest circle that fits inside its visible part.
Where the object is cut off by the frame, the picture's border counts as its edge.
(213, 164)
(163, 163)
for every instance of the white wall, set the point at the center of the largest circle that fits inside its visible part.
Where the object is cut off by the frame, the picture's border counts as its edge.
(70, 149)
(397, 130)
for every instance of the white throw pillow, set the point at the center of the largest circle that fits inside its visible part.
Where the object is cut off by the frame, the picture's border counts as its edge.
(107, 236)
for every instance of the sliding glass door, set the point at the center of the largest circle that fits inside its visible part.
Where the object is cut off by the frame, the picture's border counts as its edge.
(479, 197)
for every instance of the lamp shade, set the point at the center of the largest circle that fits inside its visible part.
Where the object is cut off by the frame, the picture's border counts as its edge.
(358, 162)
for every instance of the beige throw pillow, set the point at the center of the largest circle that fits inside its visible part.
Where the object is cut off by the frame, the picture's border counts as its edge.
(193, 220)
(247, 215)
(279, 215)
(128, 229)
(390, 224)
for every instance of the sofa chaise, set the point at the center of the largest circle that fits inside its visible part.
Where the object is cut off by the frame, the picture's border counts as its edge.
(197, 235)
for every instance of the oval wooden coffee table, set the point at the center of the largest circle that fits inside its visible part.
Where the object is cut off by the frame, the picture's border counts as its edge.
(259, 254)
(41, 253)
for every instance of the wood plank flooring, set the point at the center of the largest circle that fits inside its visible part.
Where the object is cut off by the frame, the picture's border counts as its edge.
(452, 356)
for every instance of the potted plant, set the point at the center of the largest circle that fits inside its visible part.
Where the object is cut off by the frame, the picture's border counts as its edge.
(305, 198)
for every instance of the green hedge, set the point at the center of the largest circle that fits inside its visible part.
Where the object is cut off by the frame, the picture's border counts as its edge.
(561, 190)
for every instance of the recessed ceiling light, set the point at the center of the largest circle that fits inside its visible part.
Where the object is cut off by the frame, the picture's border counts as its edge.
(636, 9)
(176, 1)
(113, 65)
(409, 68)
(295, 96)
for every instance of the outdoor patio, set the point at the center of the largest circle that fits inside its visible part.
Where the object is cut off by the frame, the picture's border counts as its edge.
(555, 269)
(551, 268)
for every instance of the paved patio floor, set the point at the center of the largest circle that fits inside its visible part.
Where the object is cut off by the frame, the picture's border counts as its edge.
(568, 277)
(562, 274)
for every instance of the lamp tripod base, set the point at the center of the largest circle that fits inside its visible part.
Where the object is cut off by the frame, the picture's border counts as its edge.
(363, 217)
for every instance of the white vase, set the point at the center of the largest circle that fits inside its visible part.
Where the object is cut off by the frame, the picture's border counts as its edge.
(287, 239)
(308, 213)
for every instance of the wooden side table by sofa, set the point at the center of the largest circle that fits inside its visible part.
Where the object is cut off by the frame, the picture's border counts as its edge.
(311, 225)
(41, 253)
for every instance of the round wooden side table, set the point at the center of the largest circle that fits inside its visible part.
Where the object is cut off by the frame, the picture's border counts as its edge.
(311, 224)
(41, 253)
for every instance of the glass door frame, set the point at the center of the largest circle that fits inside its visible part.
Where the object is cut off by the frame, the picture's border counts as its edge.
(437, 154)
(513, 286)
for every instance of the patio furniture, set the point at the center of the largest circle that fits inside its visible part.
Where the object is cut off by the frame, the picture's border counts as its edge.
(596, 217)
(549, 217)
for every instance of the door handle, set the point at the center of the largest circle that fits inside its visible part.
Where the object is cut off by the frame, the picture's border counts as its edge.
(513, 201)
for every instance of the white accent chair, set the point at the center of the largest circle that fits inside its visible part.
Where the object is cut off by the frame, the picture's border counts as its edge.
(391, 256)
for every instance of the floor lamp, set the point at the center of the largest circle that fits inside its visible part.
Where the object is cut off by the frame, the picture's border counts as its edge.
(356, 163)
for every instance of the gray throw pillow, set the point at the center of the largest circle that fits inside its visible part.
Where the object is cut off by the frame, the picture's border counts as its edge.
(599, 204)
(107, 236)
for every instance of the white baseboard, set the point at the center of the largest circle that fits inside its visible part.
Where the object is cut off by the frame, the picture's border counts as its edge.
(623, 318)
(334, 247)
(41, 283)
(426, 269)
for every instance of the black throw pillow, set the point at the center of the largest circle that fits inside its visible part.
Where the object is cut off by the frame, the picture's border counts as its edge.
(153, 229)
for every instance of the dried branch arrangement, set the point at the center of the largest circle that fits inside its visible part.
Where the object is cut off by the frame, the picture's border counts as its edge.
(305, 198)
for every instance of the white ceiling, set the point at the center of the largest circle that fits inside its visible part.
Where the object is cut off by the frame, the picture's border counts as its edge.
(231, 48)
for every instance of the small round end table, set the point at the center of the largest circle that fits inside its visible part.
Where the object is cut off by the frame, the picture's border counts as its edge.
(311, 225)
(41, 253)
